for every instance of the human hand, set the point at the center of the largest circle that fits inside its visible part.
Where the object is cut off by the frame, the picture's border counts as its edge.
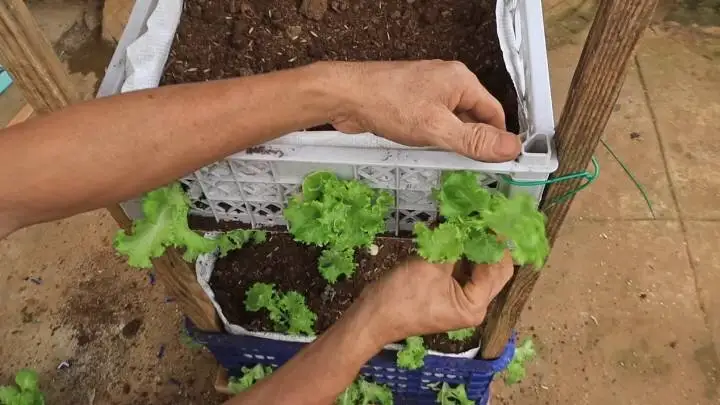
(424, 103)
(419, 298)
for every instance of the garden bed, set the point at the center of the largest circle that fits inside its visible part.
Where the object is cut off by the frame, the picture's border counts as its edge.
(228, 38)
(293, 266)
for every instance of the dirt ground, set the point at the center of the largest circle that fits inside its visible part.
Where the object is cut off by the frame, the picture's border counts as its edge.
(627, 312)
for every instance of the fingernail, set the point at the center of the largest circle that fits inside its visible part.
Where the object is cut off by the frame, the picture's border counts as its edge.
(506, 145)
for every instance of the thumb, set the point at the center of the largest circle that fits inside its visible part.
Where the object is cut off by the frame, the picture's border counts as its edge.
(488, 279)
(486, 143)
(477, 141)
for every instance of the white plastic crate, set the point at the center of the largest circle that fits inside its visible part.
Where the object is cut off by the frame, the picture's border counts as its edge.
(254, 186)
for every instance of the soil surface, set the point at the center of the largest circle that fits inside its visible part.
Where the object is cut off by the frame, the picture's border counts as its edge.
(229, 38)
(293, 266)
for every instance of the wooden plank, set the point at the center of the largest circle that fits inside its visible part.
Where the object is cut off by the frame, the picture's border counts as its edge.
(595, 87)
(28, 56)
(222, 380)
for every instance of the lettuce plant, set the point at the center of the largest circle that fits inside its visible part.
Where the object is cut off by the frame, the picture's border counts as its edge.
(26, 390)
(165, 224)
(249, 377)
(478, 224)
(287, 311)
(339, 215)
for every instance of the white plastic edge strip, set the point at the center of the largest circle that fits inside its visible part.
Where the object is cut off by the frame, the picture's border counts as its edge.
(204, 267)
(146, 58)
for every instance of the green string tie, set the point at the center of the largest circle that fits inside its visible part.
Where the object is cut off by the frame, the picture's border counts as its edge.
(589, 178)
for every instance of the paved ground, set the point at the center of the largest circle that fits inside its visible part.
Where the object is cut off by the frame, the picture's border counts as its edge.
(628, 310)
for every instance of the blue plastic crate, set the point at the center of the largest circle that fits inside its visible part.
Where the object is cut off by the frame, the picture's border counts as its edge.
(409, 387)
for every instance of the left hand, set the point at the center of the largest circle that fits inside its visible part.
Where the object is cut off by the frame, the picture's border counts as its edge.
(423, 103)
(419, 298)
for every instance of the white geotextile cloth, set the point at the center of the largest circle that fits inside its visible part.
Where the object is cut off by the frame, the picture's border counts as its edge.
(146, 58)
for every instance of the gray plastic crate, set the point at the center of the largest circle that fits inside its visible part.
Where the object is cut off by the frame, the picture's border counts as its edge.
(254, 186)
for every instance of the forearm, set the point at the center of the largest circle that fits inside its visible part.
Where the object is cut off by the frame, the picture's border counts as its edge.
(320, 372)
(103, 151)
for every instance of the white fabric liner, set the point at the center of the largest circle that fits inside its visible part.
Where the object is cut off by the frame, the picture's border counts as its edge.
(146, 58)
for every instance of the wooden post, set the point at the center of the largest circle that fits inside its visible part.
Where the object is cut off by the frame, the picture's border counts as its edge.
(594, 90)
(35, 68)
(28, 56)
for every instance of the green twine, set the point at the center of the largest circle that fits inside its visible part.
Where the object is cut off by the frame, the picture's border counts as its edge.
(632, 177)
(587, 176)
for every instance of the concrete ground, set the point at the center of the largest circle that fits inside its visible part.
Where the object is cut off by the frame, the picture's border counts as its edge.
(627, 311)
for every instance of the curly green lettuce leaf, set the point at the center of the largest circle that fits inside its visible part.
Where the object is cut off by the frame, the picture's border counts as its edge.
(300, 319)
(461, 334)
(518, 220)
(477, 223)
(483, 247)
(237, 238)
(259, 296)
(412, 355)
(250, 376)
(164, 224)
(335, 263)
(440, 245)
(362, 392)
(304, 219)
(26, 391)
(453, 396)
(288, 311)
(27, 380)
(351, 396)
(375, 394)
(524, 353)
(461, 195)
(340, 214)
(314, 184)
(9, 394)
(162, 209)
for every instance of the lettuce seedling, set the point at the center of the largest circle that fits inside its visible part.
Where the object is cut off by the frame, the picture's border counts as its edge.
(479, 223)
(287, 311)
(362, 392)
(461, 334)
(515, 371)
(249, 377)
(412, 355)
(340, 215)
(453, 396)
(165, 225)
(26, 390)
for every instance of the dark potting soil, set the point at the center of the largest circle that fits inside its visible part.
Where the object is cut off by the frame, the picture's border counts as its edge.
(229, 38)
(293, 266)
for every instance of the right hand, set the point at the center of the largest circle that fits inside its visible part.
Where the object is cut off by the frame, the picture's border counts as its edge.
(424, 103)
(420, 298)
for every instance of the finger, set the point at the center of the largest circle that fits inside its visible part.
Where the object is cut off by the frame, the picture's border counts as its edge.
(466, 117)
(477, 141)
(481, 105)
(488, 280)
(418, 262)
